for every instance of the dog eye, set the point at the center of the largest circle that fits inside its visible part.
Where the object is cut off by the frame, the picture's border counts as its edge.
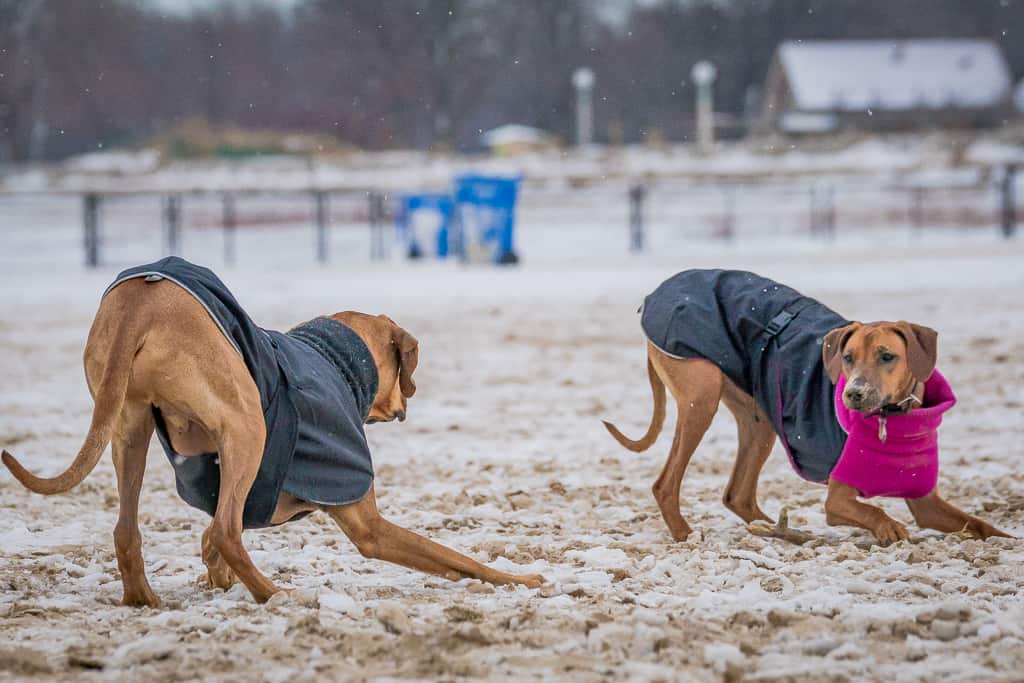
(887, 357)
(848, 358)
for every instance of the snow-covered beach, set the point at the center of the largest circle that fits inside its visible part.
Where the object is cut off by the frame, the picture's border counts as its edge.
(504, 457)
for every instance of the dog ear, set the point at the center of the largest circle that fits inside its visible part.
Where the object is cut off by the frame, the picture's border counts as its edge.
(922, 348)
(409, 357)
(832, 349)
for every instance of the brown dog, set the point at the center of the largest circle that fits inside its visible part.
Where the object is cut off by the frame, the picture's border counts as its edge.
(212, 405)
(883, 361)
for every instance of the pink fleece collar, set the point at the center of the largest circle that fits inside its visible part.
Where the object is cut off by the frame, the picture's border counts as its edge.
(906, 465)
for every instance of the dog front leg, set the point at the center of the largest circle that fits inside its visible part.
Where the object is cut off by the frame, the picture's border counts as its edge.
(377, 538)
(843, 509)
(932, 512)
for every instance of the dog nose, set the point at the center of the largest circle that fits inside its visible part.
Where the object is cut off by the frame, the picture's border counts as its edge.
(854, 395)
(400, 415)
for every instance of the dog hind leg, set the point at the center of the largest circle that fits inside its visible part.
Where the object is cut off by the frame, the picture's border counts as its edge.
(756, 436)
(218, 573)
(696, 386)
(130, 443)
(240, 452)
(379, 539)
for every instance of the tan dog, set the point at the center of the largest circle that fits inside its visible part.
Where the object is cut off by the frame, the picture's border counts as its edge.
(880, 360)
(212, 405)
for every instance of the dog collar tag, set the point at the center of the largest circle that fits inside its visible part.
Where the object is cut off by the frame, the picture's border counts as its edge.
(153, 277)
(881, 428)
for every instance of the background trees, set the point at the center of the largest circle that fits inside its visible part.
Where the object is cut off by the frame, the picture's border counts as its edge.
(76, 76)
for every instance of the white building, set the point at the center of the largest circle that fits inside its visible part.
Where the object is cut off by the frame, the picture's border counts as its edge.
(821, 86)
(514, 138)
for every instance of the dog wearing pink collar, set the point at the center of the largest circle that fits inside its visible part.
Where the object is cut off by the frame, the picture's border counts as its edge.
(773, 357)
(890, 400)
(895, 456)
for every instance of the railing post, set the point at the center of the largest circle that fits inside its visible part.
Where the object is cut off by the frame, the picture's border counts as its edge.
(229, 223)
(320, 201)
(814, 209)
(917, 208)
(728, 229)
(91, 224)
(172, 224)
(823, 210)
(376, 213)
(830, 211)
(636, 217)
(1009, 212)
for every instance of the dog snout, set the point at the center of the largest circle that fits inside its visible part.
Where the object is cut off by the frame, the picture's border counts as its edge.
(859, 395)
(400, 415)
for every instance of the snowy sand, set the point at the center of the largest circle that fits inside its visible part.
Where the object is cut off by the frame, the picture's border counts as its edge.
(504, 457)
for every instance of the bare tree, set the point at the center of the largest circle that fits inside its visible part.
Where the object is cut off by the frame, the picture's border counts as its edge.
(428, 74)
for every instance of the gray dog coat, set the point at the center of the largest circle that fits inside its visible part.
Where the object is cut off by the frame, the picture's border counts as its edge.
(767, 339)
(316, 383)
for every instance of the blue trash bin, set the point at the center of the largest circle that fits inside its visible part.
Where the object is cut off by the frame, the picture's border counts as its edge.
(409, 205)
(485, 218)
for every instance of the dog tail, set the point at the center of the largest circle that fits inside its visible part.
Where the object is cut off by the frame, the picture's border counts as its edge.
(657, 419)
(109, 399)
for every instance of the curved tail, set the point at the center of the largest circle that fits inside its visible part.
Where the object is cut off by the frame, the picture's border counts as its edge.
(657, 419)
(109, 399)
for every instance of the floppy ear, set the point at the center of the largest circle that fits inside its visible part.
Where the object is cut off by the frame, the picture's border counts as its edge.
(409, 357)
(922, 348)
(832, 349)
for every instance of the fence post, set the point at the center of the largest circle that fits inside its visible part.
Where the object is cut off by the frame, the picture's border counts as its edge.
(1009, 212)
(917, 208)
(727, 231)
(830, 211)
(815, 217)
(376, 212)
(90, 221)
(813, 224)
(229, 223)
(320, 210)
(172, 224)
(637, 194)
(823, 210)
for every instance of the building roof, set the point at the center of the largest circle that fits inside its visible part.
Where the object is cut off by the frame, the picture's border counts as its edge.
(894, 75)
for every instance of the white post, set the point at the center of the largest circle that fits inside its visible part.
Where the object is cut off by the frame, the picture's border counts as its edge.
(703, 74)
(583, 81)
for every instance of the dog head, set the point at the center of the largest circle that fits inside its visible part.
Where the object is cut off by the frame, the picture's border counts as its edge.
(396, 353)
(882, 361)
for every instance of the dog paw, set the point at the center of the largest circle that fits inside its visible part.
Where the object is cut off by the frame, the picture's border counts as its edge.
(890, 531)
(532, 580)
(145, 598)
(984, 530)
(222, 580)
(681, 533)
(748, 513)
(279, 598)
(292, 596)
